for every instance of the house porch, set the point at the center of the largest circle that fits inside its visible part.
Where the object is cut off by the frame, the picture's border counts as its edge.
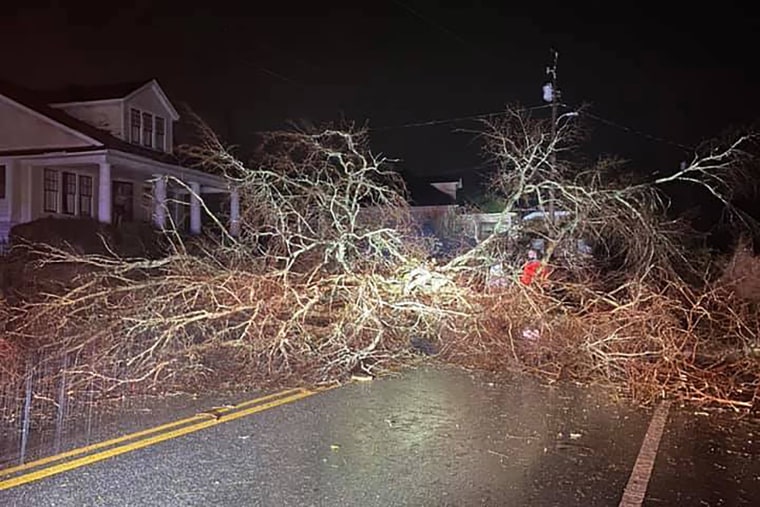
(110, 186)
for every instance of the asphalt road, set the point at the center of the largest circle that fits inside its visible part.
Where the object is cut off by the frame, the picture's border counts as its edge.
(425, 437)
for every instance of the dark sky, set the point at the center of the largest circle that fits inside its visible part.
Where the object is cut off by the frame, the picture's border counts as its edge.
(680, 75)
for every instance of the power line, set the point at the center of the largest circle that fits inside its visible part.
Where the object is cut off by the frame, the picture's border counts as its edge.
(441, 27)
(637, 132)
(431, 22)
(483, 52)
(281, 77)
(480, 116)
(443, 121)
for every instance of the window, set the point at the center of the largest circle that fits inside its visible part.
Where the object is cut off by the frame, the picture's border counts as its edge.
(2, 182)
(160, 133)
(134, 122)
(85, 196)
(69, 203)
(50, 198)
(73, 196)
(147, 129)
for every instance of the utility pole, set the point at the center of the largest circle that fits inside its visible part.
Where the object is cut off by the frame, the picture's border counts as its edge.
(551, 95)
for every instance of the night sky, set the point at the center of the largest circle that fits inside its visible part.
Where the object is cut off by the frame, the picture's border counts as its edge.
(676, 75)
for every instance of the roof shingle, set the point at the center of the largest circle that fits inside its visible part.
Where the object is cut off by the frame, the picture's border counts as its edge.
(84, 93)
(34, 101)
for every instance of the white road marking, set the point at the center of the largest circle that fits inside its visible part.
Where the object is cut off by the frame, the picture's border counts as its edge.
(635, 490)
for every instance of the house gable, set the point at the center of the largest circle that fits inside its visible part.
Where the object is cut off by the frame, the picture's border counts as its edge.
(151, 99)
(23, 128)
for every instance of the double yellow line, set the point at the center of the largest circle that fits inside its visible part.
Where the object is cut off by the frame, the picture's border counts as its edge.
(82, 456)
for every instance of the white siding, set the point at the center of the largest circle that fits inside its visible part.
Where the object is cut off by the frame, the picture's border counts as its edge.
(21, 129)
(148, 101)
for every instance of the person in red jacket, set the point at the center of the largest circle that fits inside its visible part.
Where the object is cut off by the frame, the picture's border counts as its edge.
(532, 269)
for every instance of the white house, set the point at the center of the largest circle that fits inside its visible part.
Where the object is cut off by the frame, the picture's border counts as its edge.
(101, 152)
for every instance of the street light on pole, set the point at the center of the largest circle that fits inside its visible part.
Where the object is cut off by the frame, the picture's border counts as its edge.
(551, 95)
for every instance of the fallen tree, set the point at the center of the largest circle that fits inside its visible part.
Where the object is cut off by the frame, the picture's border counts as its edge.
(323, 279)
(327, 277)
(643, 312)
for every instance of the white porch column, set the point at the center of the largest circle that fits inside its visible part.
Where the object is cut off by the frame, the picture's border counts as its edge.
(104, 193)
(10, 189)
(159, 201)
(26, 180)
(234, 213)
(195, 207)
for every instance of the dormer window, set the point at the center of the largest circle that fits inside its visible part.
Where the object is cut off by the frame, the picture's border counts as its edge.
(136, 125)
(147, 125)
(147, 130)
(160, 134)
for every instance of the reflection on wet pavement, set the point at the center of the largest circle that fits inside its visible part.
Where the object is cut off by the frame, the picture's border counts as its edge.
(431, 436)
(707, 460)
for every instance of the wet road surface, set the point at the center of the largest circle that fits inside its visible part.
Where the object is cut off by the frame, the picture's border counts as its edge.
(425, 437)
(707, 461)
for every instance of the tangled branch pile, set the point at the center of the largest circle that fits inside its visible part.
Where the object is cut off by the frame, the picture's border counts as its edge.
(327, 276)
(641, 312)
(320, 282)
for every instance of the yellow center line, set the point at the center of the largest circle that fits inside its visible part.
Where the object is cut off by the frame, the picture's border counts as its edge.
(116, 451)
(108, 443)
